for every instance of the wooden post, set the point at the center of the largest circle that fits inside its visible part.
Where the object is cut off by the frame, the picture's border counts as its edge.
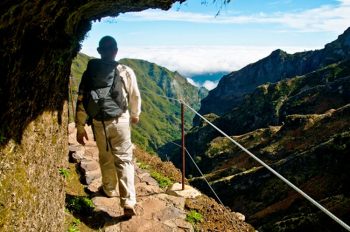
(183, 144)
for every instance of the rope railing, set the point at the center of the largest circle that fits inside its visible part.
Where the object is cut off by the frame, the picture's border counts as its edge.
(226, 213)
(290, 184)
(200, 172)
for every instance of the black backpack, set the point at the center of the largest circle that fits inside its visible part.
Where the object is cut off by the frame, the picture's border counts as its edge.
(104, 99)
(106, 102)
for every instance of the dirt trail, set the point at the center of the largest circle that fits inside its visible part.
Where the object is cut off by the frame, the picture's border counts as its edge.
(156, 210)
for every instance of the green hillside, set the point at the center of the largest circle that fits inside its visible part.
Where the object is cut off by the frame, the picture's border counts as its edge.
(299, 125)
(160, 118)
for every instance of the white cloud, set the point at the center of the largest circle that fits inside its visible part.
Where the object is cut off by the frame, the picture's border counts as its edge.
(191, 60)
(209, 85)
(192, 82)
(330, 18)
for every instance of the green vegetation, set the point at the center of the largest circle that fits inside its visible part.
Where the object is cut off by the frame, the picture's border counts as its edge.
(160, 118)
(291, 125)
(64, 172)
(143, 165)
(79, 204)
(194, 217)
(162, 180)
(74, 226)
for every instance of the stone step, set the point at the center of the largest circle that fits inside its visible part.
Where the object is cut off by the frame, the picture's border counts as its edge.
(156, 211)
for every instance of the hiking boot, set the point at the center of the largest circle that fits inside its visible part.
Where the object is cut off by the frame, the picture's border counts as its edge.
(109, 193)
(129, 211)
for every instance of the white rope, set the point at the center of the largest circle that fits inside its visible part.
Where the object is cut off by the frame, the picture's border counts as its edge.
(323, 209)
(199, 170)
(331, 215)
(228, 217)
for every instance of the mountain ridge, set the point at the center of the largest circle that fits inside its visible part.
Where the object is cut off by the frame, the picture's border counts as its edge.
(299, 126)
(275, 67)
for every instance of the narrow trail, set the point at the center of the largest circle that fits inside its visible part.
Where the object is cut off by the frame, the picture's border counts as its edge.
(156, 210)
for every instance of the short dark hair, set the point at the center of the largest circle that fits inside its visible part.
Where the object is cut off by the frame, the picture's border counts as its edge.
(108, 42)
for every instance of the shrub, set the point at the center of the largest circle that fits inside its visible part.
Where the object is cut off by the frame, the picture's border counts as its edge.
(78, 204)
(64, 172)
(194, 217)
(74, 226)
(163, 181)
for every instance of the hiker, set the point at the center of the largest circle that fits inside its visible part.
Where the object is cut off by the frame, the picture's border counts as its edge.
(105, 92)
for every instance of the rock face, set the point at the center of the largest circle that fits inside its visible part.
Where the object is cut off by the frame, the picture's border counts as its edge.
(309, 150)
(31, 189)
(38, 42)
(300, 127)
(277, 66)
(270, 105)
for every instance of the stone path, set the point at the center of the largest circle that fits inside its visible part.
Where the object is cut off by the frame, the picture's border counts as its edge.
(156, 210)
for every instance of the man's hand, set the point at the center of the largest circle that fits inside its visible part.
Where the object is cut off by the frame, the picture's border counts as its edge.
(135, 120)
(81, 135)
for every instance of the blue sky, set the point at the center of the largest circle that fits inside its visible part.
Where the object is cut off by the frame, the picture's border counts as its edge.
(191, 39)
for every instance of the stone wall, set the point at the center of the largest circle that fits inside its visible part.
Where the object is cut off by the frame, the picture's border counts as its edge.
(31, 189)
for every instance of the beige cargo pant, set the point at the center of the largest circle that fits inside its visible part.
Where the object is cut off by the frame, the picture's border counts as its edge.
(116, 163)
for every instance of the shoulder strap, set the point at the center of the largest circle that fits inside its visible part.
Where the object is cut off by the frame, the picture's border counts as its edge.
(116, 73)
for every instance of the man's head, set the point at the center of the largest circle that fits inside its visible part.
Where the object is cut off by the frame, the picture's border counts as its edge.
(107, 48)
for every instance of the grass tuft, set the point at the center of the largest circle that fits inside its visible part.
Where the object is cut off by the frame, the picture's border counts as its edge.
(64, 172)
(194, 217)
(163, 181)
(74, 226)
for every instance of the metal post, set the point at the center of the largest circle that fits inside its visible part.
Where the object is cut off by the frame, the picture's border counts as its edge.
(183, 144)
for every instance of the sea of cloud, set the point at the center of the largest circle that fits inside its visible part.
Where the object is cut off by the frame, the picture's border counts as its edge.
(194, 60)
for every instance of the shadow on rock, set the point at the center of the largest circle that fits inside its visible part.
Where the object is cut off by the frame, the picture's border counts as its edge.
(83, 208)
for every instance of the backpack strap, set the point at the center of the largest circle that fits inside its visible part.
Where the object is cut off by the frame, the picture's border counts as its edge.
(122, 80)
(108, 142)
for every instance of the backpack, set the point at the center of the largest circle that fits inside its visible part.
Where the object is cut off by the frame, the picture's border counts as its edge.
(107, 102)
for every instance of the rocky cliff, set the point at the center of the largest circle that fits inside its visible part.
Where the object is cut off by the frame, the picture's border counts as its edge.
(38, 41)
(299, 126)
(270, 104)
(309, 150)
(277, 66)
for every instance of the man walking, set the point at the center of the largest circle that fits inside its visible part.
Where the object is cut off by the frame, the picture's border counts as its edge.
(105, 92)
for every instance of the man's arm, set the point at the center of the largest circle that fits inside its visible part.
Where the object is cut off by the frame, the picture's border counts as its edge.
(81, 116)
(134, 97)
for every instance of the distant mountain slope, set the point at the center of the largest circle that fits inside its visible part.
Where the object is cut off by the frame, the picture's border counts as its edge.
(168, 83)
(270, 104)
(312, 151)
(299, 126)
(160, 118)
(277, 66)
